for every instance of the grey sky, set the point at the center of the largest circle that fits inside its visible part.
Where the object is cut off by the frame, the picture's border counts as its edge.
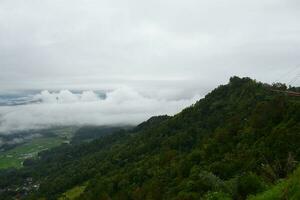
(179, 47)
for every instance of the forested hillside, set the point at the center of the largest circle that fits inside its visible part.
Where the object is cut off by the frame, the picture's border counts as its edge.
(284, 189)
(238, 141)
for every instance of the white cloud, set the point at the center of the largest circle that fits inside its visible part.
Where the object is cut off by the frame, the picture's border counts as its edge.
(65, 96)
(121, 106)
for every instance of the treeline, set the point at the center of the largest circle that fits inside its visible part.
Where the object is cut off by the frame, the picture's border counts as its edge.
(237, 141)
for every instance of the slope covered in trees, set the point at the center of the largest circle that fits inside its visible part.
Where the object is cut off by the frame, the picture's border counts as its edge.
(284, 189)
(237, 141)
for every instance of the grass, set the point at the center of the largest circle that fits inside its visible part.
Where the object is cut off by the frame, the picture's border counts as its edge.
(286, 189)
(14, 158)
(73, 193)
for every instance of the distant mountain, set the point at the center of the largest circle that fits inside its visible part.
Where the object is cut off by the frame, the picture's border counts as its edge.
(239, 140)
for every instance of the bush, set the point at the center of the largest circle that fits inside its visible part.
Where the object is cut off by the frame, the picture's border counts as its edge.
(248, 184)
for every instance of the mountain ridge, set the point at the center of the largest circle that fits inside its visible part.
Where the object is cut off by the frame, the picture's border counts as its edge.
(237, 141)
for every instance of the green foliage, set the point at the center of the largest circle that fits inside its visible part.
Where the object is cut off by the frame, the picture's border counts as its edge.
(90, 133)
(239, 138)
(248, 184)
(217, 196)
(285, 189)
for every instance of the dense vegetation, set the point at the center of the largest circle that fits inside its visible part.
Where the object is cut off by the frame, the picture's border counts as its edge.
(89, 133)
(238, 141)
(285, 189)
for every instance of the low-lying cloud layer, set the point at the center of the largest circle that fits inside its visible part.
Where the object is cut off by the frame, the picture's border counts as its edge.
(64, 108)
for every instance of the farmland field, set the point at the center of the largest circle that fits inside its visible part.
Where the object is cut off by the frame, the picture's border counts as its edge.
(15, 157)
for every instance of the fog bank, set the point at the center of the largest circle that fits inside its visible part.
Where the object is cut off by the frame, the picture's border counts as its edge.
(64, 108)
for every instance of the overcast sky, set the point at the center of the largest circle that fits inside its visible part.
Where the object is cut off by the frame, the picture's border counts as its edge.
(180, 47)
